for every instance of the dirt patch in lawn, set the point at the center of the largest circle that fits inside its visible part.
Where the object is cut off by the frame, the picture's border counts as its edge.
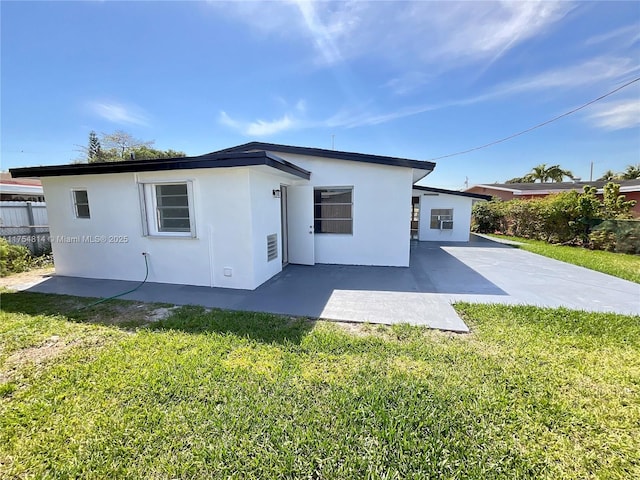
(25, 280)
(34, 356)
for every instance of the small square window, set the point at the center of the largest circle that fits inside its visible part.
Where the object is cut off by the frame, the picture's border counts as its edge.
(81, 204)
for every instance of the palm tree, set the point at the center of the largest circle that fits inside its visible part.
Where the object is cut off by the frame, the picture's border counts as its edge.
(554, 173)
(632, 172)
(609, 175)
(557, 174)
(544, 174)
(540, 172)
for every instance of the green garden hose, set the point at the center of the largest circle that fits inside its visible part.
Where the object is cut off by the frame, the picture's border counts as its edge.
(102, 300)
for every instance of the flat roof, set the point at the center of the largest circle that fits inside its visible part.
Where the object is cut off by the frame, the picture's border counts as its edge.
(546, 187)
(452, 192)
(337, 154)
(211, 160)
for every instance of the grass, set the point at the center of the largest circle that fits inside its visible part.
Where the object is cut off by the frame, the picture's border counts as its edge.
(531, 393)
(620, 265)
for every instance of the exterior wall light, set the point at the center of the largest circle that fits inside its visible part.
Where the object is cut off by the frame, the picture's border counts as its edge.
(276, 193)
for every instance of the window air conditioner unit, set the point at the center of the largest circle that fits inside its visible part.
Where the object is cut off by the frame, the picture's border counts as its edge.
(446, 225)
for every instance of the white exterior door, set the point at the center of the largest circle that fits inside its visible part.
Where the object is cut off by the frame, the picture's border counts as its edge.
(300, 223)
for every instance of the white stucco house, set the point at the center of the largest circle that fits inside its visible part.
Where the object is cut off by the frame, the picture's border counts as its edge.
(234, 218)
(442, 215)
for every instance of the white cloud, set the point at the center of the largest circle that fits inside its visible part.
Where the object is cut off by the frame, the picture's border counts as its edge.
(599, 71)
(478, 31)
(623, 37)
(301, 106)
(322, 34)
(119, 113)
(591, 72)
(258, 128)
(617, 115)
(439, 34)
(407, 83)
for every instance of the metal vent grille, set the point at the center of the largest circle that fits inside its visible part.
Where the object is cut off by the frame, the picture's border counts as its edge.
(272, 247)
(447, 224)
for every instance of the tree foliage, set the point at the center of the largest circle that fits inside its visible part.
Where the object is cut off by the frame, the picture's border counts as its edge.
(119, 146)
(525, 179)
(123, 142)
(94, 150)
(566, 217)
(145, 153)
(543, 174)
(632, 172)
(609, 175)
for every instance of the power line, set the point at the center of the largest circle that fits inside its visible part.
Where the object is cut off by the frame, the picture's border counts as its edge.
(539, 125)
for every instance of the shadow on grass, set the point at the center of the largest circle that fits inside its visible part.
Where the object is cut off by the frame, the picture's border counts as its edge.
(132, 315)
(262, 327)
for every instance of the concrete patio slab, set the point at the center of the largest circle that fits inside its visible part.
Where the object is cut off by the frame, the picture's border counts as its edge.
(440, 274)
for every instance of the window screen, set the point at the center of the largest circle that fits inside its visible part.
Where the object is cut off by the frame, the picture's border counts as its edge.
(333, 210)
(172, 206)
(81, 203)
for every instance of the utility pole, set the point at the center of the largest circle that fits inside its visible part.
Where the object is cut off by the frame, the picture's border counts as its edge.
(333, 142)
(466, 182)
(591, 172)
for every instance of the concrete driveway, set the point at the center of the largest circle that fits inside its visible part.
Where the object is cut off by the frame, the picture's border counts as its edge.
(440, 274)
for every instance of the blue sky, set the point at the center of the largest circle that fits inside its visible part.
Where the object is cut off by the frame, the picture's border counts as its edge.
(416, 80)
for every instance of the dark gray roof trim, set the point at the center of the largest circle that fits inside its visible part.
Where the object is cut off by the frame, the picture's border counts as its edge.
(321, 152)
(452, 192)
(558, 185)
(211, 160)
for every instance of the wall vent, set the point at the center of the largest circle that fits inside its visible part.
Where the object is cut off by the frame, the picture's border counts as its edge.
(272, 247)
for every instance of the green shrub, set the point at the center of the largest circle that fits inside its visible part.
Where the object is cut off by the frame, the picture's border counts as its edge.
(13, 258)
(566, 217)
(603, 240)
(486, 217)
(621, 236)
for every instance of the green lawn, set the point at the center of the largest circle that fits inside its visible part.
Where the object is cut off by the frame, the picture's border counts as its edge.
(531, 393)
(617, 264)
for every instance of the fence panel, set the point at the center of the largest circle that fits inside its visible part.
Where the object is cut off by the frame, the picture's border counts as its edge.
(26, 223)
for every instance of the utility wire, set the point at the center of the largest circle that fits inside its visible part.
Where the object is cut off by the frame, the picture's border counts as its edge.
(539, 125)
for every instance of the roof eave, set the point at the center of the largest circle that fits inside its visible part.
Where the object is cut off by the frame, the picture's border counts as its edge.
(164, 164)
(444, 191)
(335, 154)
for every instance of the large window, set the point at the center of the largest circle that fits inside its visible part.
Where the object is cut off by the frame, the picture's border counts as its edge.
(333, 210)
(442, 218)
(81, 204)
(168, 209)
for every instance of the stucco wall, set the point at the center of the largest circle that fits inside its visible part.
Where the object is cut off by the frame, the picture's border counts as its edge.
(381, 211)
(234, 210)
(265, 215)
(225, 209)
(461, 216)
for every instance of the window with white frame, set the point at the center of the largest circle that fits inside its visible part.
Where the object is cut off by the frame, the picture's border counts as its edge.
(81, 203)
(441, 219)
(168, 209)
(333, 210)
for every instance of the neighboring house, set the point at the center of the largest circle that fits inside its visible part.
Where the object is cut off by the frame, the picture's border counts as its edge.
(20, 190)
(231, 218)
(509, 191)
(442, 215)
